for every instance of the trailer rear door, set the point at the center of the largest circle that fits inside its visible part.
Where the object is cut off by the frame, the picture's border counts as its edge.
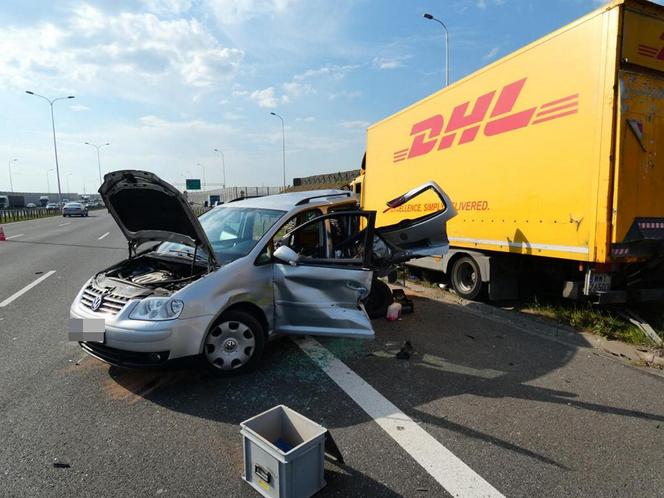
(639, 182)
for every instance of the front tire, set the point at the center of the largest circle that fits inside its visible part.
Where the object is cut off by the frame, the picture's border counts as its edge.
(466, 278)
(234, 344)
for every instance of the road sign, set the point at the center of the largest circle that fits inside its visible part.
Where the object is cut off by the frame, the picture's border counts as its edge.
(193, 184)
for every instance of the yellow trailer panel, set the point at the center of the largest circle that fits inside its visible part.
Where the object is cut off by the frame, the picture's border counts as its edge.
(550, 151)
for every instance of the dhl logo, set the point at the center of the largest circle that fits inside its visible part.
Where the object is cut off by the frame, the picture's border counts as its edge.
(427, 134)
(652, 52)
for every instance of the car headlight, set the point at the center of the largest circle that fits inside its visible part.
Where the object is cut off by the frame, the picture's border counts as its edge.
(157, 308)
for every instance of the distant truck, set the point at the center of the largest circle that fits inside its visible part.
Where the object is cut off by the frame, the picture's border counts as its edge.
(12, 201)
(43, 200)
(551, 157)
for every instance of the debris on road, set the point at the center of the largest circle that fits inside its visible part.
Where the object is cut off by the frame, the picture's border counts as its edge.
(394, 311)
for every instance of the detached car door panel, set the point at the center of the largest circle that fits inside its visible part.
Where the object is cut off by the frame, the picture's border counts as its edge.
(419, 237)
(319, 292)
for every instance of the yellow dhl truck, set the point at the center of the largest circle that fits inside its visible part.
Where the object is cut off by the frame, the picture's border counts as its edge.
(553, 157)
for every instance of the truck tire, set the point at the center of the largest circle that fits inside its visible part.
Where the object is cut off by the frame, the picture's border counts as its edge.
(466, 278)
(379, 298)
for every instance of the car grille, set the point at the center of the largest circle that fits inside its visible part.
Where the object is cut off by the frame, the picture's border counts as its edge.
(111, 303)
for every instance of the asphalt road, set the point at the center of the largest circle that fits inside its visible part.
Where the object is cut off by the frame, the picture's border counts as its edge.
(532, 416)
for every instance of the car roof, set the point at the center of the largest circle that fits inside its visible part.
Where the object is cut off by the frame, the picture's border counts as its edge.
(287, 201)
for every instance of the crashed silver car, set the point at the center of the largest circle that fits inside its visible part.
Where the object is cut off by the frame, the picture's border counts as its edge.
(218, 286)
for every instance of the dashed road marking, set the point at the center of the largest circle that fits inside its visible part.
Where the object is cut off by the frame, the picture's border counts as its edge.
(25, 289)
(104, 236)
(15, 236)
(63, 224)
(445, 467)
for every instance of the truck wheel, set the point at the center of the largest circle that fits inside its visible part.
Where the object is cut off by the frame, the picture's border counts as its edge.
(466, 278)
(379, 298)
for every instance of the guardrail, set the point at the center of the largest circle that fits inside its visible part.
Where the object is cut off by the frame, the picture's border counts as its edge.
(22, 214)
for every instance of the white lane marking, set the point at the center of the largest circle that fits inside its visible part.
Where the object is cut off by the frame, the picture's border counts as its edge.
(63, 224)
(15, 236)
(25, 289)
(104, 236)
(445, 467)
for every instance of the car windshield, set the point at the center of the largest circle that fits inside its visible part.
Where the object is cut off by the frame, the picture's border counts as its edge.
(72, 205)
(232, 231)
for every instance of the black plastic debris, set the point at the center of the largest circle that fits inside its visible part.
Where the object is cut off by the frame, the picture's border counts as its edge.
(404, 352)
(61, 465)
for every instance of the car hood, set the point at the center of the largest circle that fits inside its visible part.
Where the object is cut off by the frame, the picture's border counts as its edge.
(147, 208)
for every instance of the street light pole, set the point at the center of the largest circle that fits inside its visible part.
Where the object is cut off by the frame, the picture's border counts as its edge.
(9, 166)
(223, 166)
(55, 144)
(98, 158)
(283, 143)
(447, 47)
(68, 190)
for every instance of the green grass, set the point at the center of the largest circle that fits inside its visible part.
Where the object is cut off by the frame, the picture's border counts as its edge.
(601, 321)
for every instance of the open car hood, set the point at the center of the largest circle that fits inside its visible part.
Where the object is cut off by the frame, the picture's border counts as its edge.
(146, 208)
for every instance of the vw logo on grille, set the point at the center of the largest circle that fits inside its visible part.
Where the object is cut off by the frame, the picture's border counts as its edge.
(96, 304)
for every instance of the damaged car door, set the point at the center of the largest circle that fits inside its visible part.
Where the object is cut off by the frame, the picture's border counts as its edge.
(322, 270)
(419, 237)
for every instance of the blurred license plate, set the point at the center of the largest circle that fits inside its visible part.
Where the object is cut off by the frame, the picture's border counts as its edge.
(87, 329)
(597, 282)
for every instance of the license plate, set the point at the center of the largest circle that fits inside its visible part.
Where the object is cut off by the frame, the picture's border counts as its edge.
(87, 329)
(597, 282)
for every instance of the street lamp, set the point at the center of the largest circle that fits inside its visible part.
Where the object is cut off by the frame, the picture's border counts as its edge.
(223, 167)
(9, 166)
(283, 143)
(447, 47)
(55, 146)
(98, 160)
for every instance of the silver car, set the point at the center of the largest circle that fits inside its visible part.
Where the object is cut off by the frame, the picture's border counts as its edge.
(217, 287)
(75, 209)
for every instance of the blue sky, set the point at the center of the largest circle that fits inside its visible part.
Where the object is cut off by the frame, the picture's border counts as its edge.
(167, 81)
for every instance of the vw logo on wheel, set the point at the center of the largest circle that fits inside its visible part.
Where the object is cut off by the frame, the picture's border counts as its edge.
(96, 304)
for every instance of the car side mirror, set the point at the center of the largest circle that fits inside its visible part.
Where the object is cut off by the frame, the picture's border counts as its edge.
(286, 255)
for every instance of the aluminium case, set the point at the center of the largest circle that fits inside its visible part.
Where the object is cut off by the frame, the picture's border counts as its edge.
(549, 151)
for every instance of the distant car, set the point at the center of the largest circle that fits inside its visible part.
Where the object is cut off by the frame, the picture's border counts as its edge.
(31, 205)
(74, 209)
(52, 205)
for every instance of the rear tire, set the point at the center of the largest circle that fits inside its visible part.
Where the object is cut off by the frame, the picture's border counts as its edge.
(466, 278)
(233, 345)
(379, 298)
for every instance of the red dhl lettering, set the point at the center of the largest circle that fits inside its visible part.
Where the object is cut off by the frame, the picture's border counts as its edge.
(467, 124)
(471, 205)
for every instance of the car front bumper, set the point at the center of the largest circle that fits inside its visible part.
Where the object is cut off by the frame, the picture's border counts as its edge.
(138, 343)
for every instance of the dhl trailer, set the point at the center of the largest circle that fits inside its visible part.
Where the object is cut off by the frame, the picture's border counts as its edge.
(553, 157)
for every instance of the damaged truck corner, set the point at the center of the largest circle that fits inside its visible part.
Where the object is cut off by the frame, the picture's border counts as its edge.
(550, 155)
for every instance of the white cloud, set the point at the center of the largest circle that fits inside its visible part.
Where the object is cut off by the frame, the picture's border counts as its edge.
(295, 89)
(308, 119)
(79, 108)
(483, 4)
(345, 94)
(167, 7)
(236, 11)
(333, 71)
(267, 98)
(355, 125)
(491, 53)
(388, 62)
(122, 53)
